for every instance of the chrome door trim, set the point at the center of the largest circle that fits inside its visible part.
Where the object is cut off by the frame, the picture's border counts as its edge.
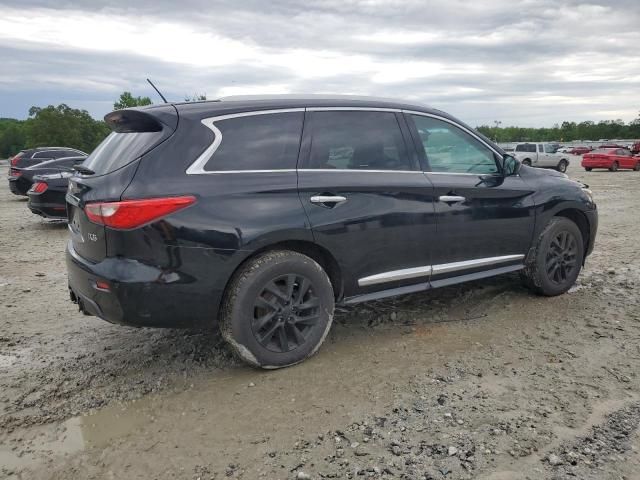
(395, 275)
(356, 170)
(479, 262)
(197, 167)
(427, 270)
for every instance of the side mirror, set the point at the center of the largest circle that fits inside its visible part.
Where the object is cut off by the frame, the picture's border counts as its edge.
(510, 165)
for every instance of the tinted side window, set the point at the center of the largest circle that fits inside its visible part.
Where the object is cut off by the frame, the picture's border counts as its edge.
(540, 148)
(258, 142)
(357, 141)
(451, 149)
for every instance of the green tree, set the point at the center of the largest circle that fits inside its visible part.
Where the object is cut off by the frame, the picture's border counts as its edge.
(127, 100)
(12, 137)
(63, 126)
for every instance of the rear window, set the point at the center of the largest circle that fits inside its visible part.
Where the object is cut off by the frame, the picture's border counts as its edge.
(258, 142)
(120, 149)
(526, 147)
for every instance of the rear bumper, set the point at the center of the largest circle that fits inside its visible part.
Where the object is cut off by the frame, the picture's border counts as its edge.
(18, 186)
(46, 209)
(140, 295)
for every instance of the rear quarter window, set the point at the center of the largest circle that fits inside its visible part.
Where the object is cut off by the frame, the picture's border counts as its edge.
(120, 149)
(258, 142)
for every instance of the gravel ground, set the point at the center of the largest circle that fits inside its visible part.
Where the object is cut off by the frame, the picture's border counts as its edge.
(482, 380)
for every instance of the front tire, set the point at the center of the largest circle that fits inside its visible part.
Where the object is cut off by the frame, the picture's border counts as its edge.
(556, 260)
(278, 309)
(614, 167)
(636, 167)
(588, 169)
(526, 162)
(562, 166)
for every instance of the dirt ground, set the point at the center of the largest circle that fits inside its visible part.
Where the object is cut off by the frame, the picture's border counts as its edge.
(482, 380)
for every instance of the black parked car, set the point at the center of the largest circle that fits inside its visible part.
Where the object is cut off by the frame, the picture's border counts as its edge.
(21, 179)
(32, 156)
(263, 214)
(47, 195)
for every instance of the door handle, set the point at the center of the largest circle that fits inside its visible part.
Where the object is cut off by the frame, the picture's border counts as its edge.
(328, 199)
(451, 198)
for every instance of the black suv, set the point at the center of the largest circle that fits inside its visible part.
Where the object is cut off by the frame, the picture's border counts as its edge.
(262, 214)
(34, 156)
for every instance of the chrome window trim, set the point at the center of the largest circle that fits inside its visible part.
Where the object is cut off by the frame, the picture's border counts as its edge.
(357, 170)
(355, 109)
(415, 272)
(197, 167)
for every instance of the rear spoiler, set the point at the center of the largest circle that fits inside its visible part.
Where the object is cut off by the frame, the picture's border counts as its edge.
(153, 119)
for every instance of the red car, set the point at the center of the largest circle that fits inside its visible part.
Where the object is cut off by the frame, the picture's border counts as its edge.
(635, 149)
(611, 158)
(579, 150)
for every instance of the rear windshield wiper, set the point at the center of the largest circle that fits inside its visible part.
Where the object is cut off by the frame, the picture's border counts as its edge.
(82, 169)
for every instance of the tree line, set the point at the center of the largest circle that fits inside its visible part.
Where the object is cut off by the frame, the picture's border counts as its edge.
(565, 132)
(70, 127)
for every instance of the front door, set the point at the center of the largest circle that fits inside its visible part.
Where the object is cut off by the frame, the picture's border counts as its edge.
(485, 219)
(366, 198)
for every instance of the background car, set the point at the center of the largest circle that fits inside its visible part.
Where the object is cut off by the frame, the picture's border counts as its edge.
(635, 149)
(33, 156)
(46, 195)
(579, 150)
(541, 155)
(612, 159)
(21, 179)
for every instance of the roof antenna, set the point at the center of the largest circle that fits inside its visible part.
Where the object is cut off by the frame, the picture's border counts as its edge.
(154, 87)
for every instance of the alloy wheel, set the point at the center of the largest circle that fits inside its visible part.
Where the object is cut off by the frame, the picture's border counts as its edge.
(561, 258)
(285, 312)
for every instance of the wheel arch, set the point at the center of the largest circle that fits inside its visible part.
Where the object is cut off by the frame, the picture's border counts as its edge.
(581, 220)
(312, 250)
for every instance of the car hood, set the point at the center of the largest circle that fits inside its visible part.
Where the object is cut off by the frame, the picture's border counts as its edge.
(532, 173)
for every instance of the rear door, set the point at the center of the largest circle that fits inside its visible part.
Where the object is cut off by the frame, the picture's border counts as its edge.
(366, 199)
(485, 220)
(625, 159)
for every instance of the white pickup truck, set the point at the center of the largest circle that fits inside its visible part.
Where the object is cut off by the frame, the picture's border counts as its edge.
(543, 155)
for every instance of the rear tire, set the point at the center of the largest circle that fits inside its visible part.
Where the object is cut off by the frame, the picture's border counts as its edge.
(526, 162)
(556, 260)
(562, 166)
(588, 169)
(277, 310)
(614, 167)
(636, 167)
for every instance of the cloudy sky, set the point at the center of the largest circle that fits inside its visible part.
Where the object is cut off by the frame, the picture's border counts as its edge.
(528, 63)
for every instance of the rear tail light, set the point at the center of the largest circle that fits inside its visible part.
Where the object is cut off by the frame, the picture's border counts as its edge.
(135, 213)
(39, 187)
(14, 160)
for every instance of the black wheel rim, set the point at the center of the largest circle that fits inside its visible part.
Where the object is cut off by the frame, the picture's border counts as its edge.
(562, 258)
(285, 313)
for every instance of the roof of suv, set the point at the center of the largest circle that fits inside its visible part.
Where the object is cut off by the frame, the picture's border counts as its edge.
(266, 102)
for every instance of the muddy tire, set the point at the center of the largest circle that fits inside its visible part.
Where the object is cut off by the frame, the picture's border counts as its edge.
(277, 310)
(614, 167)
(562, 166)
(555, 263)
